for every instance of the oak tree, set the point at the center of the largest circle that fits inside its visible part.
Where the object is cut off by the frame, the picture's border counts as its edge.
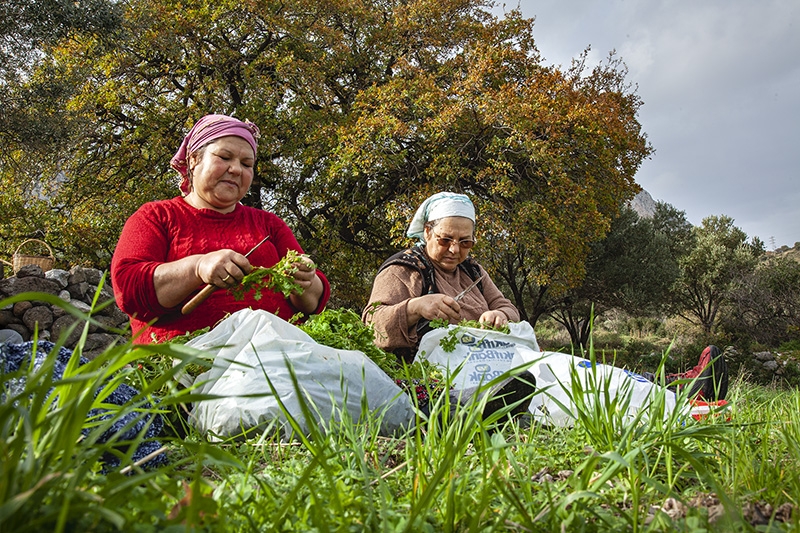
(365, 108)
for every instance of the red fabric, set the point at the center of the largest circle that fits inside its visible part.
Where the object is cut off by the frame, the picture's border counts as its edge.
(696, 370)
(160, 232)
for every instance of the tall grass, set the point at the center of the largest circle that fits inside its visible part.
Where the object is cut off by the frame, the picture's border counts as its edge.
(454, 471)
(66, 451)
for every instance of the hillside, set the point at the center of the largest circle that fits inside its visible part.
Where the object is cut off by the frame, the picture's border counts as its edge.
(785, 251)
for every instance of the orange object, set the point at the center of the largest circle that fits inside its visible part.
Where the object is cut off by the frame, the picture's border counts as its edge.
(702, 409)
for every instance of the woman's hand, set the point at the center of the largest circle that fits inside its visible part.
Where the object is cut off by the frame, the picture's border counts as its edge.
(223, 268)
(493, 319)
(176, 280)
(305, 273)
(432, 307)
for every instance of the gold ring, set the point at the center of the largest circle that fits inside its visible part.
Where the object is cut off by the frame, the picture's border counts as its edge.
(226, 278)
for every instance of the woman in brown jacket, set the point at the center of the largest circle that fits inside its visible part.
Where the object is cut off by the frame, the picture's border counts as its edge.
(423, 283)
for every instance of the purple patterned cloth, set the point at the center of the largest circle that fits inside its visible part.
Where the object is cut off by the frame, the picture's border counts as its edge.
(14, 356)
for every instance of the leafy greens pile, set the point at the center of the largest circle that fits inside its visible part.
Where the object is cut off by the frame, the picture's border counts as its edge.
(343, 329)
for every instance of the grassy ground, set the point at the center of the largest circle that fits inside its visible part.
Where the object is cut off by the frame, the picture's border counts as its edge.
(734, 472)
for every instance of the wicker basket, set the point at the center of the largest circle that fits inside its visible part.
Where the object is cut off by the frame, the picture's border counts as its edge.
(20, 260)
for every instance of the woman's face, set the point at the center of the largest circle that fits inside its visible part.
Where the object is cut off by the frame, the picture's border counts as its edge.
(221, 174)
(448, 253)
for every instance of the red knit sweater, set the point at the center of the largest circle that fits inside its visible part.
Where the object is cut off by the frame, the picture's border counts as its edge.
(164, 231)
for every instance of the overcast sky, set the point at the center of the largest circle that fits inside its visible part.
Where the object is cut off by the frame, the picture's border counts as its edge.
(720, 81)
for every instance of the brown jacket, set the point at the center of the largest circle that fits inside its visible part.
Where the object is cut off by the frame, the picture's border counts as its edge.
(397, 284)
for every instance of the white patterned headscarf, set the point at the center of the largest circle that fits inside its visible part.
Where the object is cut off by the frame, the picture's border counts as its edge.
(440, 205)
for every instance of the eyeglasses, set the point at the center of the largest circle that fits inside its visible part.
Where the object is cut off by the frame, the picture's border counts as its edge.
(447, 242)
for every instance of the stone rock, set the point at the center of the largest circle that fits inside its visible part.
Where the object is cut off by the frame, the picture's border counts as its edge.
(40, 317)
(764, 356)
(7, 317)
(21, 329)
(5, 286)
(30, 271)
(772, 366)
(97, 343)
(93, 276)
(9, 335)
(61, 325)
(30, 284)
(58, 275)
(115, 314)
(77, 275)
(78, 290)
(81, 306)
(105, 322)
(20, 308)
(105, 293)
(78, 287)
(643, 204)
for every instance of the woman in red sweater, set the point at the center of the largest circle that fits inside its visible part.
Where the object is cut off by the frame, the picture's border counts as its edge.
(169, 250)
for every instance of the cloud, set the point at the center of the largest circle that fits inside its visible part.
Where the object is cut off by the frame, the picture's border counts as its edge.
(719, 80)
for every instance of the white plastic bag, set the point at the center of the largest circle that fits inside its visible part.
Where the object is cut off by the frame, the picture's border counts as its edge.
(554, 374)
(251, 345)
(481, 355)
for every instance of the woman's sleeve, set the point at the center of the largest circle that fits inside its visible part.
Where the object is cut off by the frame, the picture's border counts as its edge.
(496, 300)
(387, 309)
(142, 246)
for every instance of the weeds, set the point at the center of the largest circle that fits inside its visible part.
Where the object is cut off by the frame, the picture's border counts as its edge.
(452, 472)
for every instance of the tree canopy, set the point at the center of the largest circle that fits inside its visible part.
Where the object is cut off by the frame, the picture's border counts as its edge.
(365, 108)
(721, 255)
(763, 305)
(632, 269)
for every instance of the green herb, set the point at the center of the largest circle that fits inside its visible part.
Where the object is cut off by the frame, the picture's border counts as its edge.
(277, 278)
(189, 335)
(439, 323)
(344, 330)
(449, 341)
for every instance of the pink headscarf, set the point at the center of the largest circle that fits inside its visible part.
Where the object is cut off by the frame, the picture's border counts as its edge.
(205, 130)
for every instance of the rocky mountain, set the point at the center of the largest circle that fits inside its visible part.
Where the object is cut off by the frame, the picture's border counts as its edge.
(643, 204)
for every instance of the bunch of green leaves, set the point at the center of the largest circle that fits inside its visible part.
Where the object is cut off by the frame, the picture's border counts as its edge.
(449, 341)
(343, 329)
(189, 335)
(277, 278)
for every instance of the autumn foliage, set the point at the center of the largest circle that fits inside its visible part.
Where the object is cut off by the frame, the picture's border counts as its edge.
(365, 108)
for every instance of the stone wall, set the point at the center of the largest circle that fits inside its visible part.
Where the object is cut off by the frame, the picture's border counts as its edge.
(77, 286)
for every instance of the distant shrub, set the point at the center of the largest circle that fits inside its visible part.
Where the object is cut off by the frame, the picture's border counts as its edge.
(642, 327)
(790, 346)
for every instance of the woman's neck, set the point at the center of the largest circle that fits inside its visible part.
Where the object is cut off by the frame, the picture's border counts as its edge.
(195, 202)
